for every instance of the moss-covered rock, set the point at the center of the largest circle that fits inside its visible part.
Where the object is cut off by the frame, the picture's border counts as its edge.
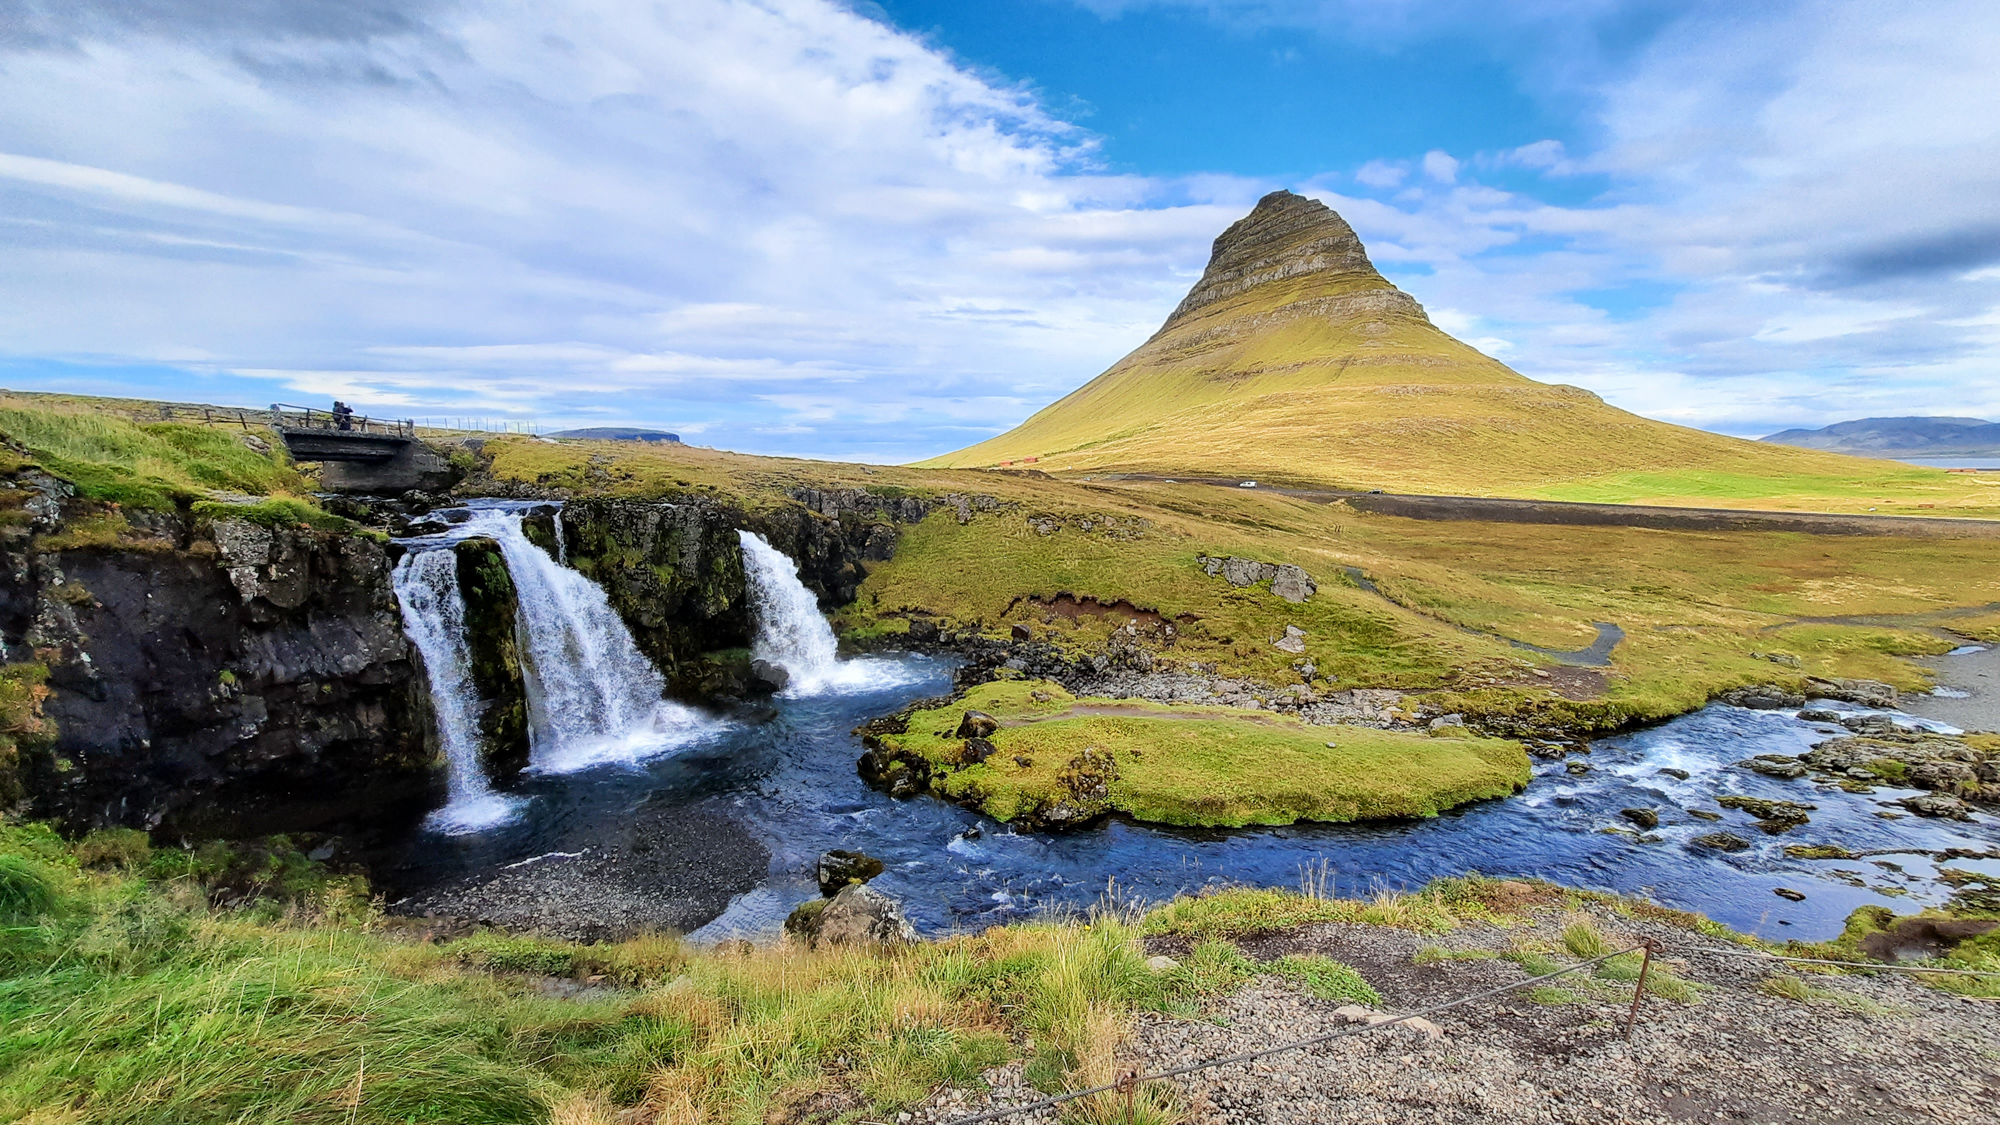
(491, 610)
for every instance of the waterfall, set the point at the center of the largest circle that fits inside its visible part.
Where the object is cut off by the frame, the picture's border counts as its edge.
(562, 540)
(593, 697)
(792, 634)
(426, 584)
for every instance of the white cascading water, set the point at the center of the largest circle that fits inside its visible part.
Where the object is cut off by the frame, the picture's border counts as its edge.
(792, 634)
(593, 697)
(426, 585)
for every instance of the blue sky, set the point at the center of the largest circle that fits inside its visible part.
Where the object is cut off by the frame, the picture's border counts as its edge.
(883, 230)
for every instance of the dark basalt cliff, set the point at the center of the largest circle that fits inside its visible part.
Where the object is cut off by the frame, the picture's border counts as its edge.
(673, 569)
(208, 677)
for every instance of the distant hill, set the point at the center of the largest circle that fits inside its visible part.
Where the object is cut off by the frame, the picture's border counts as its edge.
(1294, 360)
(1900, 437)
(616, 433)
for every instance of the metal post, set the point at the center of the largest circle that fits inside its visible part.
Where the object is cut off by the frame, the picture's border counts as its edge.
(1639, 990)
(1128, 1088)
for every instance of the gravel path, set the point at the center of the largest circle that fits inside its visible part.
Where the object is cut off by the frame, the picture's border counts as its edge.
(1876, 1049)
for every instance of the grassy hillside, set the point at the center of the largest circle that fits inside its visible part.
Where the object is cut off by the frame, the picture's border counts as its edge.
(112, 452)
(1700, 609)
(1298, 363)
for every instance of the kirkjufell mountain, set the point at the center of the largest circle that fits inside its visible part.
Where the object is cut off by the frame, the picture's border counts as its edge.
(1293, 359)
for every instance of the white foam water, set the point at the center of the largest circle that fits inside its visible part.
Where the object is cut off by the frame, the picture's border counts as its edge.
(792, 634)
(593, 697)
(426, 584)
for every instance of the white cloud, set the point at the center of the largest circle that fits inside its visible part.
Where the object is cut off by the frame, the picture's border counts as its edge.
(1439, 166)
(695, 208)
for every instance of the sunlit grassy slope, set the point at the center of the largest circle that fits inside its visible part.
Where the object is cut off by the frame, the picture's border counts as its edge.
(1298, 363)
(1695, 606)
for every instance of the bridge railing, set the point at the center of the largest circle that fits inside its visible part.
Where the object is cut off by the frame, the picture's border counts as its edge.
(288, 417)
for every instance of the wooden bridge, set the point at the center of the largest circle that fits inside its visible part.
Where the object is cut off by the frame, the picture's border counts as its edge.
(323, 435)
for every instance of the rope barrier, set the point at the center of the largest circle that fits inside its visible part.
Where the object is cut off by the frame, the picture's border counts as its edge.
(1131, 1081)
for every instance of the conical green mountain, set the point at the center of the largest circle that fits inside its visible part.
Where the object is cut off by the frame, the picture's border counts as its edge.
(1293, 360)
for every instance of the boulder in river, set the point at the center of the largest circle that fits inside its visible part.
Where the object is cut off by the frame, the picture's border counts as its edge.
(1762, 697)
(1721, 842)
(1644, 818)
(1775, 765)
(839, 868)
(1941, 806)
(770, 675)
(857, 915)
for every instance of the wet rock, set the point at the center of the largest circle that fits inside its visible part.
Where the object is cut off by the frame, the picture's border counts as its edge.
(840, 867)
(1703, 814)
(1945, 776)
(1870, 724)
(769, 675)
(1789, 893)
(897, 774)
(1644, 818)
(1819, 715)
(491, 605)
(1762, 697)
(856, 915)
(1775, 765)
(977, 724)
(975, 751)
(1721, 842)
(1676, 774)
(1774, 817)
(1867, 693)
(1938, 805)
(1576, 769)
(923, 630)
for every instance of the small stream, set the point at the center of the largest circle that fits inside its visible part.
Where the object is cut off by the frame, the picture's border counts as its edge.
(790, 781)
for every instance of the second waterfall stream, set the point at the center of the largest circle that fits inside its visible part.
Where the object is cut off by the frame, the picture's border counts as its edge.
(792, 634)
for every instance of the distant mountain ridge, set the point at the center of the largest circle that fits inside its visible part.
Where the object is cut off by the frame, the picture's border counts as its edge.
(1900, 437)
(616, 433)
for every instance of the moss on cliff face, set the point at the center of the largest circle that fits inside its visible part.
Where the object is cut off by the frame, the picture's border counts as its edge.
(491, 609)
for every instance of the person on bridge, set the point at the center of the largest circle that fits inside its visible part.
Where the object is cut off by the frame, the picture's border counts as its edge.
(343, 415)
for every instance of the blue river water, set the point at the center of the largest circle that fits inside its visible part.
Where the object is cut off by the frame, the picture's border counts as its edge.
(791, 781)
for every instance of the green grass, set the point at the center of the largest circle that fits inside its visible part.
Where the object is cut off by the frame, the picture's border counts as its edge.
(1231, 769)
(1325, 978)
(153, 465)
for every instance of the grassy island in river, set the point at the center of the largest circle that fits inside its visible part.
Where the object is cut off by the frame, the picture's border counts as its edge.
(1057, 757)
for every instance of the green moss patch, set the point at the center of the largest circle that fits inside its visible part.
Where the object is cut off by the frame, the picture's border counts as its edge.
(1055, 755)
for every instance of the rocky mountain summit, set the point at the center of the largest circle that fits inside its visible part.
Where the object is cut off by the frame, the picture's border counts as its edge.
(1293, 359)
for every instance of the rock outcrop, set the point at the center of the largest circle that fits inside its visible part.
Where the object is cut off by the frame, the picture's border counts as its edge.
(491, 609)
(212, 677)
(857, 915)
(673, 569)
